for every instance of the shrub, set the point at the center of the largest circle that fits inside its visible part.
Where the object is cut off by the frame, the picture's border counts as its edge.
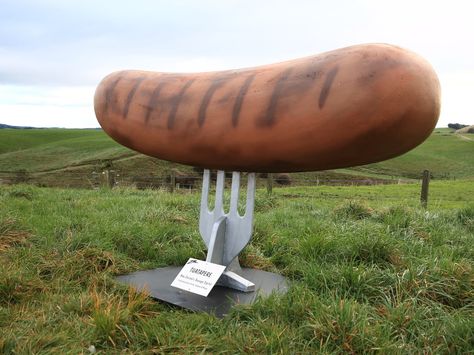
(353, 210)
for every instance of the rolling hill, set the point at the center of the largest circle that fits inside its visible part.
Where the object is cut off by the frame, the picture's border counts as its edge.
(49, 156)
(445, 153)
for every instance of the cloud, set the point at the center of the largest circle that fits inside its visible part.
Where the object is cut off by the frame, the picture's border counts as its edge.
(50, 42)
(456, 98)
(54, 43)
(57, 42)
(69, 107)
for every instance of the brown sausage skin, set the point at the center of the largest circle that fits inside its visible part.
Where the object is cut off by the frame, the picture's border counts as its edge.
(348, 107)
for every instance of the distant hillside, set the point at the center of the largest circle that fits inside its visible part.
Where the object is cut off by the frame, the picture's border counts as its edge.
(37, 150)
(2, 126)
(444, 153)
(54, 153)
(5, 126)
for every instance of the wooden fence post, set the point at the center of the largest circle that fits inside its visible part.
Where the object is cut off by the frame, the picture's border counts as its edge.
(269, 183)
(111, 177)
(424, 188)
(106, 181)
(172, 180)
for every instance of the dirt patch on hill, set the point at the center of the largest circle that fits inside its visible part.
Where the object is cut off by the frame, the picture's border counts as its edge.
(466, 130)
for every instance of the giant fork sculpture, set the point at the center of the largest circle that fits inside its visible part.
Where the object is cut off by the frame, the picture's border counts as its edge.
(226, 234)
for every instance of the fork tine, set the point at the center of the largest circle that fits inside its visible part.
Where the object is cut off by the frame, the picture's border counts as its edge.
(234, 195)
(219, 192)
(205, 191)
(250, 196)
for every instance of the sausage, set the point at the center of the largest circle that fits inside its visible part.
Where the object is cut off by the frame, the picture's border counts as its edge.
(347, 107)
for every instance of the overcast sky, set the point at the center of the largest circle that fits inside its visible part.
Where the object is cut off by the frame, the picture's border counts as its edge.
(53, 53)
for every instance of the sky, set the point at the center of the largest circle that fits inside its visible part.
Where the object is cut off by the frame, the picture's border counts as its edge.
(53, 53)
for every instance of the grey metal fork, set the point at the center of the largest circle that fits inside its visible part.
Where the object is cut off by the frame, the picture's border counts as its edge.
(227, 234)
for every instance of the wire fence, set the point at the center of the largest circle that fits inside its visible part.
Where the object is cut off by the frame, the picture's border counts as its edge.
(175, 180)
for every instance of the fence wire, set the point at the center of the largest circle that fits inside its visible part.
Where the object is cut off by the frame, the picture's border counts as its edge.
(175, 180)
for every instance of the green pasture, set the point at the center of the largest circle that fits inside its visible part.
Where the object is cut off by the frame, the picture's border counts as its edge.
(370, 272)
(445, 154)
(39, 150)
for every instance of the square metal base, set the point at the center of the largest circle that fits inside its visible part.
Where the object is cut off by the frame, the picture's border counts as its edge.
(157, 283)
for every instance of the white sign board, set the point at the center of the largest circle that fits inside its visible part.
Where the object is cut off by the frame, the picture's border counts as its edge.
(198, 276)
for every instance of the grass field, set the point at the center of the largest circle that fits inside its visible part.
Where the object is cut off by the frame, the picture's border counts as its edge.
(445, 154)
(59, 157)
(370, 271)
(38, 150)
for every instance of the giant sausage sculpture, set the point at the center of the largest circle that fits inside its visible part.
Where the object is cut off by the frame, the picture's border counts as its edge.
(348, 107)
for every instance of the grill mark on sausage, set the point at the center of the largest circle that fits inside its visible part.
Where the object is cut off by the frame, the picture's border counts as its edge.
(207, 99)
(109, 93)
(153, 98)
(269, 118)
(240, 99)
(130, 96)
(175, 103)
(327, 86)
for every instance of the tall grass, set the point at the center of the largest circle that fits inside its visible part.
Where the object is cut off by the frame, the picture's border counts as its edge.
(370, 272)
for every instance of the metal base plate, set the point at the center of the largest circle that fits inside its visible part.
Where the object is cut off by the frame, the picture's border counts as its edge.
(157, 283)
